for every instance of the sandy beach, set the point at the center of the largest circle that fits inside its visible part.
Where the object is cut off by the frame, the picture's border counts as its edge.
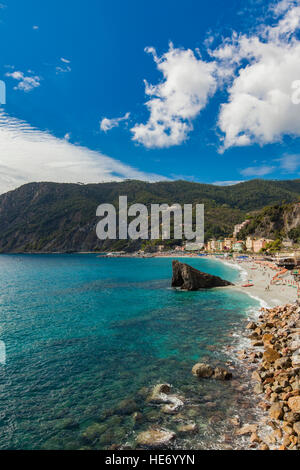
(283, 291)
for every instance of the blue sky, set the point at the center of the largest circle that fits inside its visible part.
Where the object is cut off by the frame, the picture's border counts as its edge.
(219, 90)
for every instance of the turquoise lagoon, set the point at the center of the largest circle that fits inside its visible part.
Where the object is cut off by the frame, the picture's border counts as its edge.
(86, 337)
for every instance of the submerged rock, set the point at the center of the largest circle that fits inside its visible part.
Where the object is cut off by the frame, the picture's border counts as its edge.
(155, 437)
(188, 278)
(189, 428)
(126, 407)
(93, 432)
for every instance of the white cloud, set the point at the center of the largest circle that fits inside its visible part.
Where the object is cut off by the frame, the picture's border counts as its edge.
(60, 69)
(25, 83)
(66, 61)
(28, 154)
(258, 170)
(188, 82)
(108, 124)
(227, 183)
(35, 27)
(289, 163)
(260, 108)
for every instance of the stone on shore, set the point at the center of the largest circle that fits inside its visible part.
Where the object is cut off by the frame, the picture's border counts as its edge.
(247, 429)
(155, 438)
(276, 411)
(277, 375)
(188, 278)
(296, 428)
(271, 355)
(294, 404)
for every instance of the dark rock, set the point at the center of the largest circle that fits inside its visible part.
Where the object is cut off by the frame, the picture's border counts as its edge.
(188, 278)
(222, 374)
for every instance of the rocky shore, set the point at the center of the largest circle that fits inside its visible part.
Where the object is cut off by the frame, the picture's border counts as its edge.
(274, 356)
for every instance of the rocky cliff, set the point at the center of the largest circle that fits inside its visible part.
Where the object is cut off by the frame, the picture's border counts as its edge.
(278, 221)
(188, 278)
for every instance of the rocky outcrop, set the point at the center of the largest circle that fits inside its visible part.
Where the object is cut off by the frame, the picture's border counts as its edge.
(161, 394)
(202, 370)
(188, 278)
(205, 371)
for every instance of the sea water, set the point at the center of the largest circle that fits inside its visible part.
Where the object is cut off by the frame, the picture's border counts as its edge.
(87, 337)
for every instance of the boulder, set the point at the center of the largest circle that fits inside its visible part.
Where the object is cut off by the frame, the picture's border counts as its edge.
(291, 417)
(276, 411)
(296, 428)
(247, 429)
(264, 447)
(158, 393)
(270, 355)
(174, 404)
(222, 374)
(188, 278)
(155, 438)
(258, 388)
(202, 370)
(294, 404)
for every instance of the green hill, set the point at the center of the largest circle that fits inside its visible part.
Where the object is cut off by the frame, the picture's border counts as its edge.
(47, 217)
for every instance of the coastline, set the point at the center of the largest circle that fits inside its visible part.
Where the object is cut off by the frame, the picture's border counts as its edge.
(281, 293)
(270, 355)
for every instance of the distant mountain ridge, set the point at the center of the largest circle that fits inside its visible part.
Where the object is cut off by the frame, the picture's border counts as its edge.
(61, 217)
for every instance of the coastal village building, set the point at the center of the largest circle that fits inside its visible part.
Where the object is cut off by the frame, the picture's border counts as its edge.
(179, 248)
(249, 243)
(228, 242)
(238, 227)
(239, 246)
(287, 243)
(259, 244)
(253, 245)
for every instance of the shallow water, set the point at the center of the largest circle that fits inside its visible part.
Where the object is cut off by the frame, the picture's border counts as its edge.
(83, 334)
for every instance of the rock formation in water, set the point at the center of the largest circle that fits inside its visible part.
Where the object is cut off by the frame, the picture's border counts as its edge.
(188, 278)
(206, 371)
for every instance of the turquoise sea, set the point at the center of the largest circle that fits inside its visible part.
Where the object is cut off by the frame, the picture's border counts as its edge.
(86, 337)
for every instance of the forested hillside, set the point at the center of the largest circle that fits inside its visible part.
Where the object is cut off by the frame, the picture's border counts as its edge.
(47, 217)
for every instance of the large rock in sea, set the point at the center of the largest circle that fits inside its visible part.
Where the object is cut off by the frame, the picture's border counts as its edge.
(188, 278)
